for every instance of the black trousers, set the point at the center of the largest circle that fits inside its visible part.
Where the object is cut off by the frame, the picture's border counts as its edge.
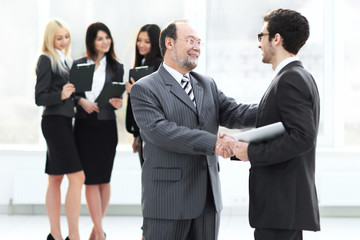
(204, 227)
(277, 234)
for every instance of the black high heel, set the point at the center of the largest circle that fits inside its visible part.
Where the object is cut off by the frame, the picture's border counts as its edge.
(50, 237)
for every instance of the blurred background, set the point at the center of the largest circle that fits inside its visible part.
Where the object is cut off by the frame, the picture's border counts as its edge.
(230, 55)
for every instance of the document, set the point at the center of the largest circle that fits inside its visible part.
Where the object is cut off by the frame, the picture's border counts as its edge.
(261, 134)
(81, 76)
(139, 72)
(110, 90)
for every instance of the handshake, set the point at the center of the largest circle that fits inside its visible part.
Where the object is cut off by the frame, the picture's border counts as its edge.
(226, 146)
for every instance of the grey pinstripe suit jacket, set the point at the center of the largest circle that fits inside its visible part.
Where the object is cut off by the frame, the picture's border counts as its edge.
(179, 142)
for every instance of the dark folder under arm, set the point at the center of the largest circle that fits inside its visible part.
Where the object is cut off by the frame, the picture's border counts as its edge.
(110, 90)
(139, 72)
(81, 75)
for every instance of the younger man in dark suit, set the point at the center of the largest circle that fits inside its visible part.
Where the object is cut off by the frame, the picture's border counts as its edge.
(283, 199)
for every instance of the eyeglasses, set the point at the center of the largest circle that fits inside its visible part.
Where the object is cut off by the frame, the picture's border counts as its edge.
(192, 42)
(260, 36)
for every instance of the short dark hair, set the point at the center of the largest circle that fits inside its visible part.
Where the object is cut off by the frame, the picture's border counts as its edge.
(153, 31)
(291, 25)
(169, 31)
(91, 34)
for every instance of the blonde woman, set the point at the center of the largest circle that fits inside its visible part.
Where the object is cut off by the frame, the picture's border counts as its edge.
(54, 92)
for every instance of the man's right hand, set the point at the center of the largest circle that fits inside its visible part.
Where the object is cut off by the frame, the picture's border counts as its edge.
(222, 146)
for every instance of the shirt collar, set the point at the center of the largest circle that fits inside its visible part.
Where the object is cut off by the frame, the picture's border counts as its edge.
(285, 62)
(61, 55)
(175, 74)
(102, 61)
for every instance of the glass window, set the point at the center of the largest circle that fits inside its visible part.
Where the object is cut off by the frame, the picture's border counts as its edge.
(233, 56)
(351, 81)
(230, 55)
(20, 118)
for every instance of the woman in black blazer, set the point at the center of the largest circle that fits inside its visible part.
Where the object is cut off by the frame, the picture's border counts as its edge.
(95, 125)
(147, 53)
(53, 91)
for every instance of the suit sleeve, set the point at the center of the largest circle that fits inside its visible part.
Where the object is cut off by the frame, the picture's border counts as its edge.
(295, 105)
(233, 115)
(43, 95)
(165, 134)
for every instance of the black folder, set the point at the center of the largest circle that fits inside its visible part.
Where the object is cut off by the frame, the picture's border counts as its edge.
(139, 72)
(81, 75)
(110, 90)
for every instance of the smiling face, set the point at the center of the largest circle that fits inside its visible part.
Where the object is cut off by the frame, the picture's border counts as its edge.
(61, 39)
(143, 43)
(102, 43)
(185, 54)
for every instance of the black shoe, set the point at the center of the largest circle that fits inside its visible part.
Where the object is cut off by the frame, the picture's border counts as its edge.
(67, 238)
(50, 237)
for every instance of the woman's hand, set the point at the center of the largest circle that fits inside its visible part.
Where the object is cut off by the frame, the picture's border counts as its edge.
(135, 145)
(67, 90)
(128, 85)
(116, 102)
(88, 106)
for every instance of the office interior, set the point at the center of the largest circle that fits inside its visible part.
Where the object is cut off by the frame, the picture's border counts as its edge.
(230, 55)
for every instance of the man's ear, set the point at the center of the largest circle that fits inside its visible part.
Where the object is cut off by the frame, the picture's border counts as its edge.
(277, 40)
(169, 43)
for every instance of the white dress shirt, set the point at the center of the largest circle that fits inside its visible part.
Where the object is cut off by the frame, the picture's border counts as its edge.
(62, 58)
(178, 76)
(98, 80)
(284, 62)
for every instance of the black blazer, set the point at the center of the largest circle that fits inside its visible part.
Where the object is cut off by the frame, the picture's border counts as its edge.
(130, 123)
(106, 112)
(282, 175)
(48, 89)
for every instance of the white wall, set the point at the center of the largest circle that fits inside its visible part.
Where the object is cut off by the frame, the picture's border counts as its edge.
(23, 182)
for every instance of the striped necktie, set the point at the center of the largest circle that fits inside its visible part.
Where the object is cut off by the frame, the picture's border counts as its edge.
(186, 85)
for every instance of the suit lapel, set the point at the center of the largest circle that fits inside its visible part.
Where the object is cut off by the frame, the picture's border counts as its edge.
(273, 82)
(176, 89)
(108, 74)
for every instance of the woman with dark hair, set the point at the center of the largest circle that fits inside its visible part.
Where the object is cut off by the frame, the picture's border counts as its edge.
(54, 92)
(147, 53)
(95, 125)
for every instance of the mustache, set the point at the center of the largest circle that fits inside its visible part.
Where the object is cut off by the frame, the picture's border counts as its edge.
(194, 52)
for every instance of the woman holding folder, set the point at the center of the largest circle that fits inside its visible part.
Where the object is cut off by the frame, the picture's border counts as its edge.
(95, 124)
(147, 53)
(53, 91)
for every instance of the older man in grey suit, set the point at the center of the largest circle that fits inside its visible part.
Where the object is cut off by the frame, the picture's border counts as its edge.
(179, 113)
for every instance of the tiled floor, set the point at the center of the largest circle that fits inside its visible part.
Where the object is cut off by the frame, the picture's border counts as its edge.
(128, 228)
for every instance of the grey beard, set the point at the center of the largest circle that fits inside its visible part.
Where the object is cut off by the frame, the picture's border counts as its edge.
(185, 63)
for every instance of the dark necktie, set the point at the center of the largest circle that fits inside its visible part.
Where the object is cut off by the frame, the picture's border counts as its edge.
(65, 64)
(186, 85)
